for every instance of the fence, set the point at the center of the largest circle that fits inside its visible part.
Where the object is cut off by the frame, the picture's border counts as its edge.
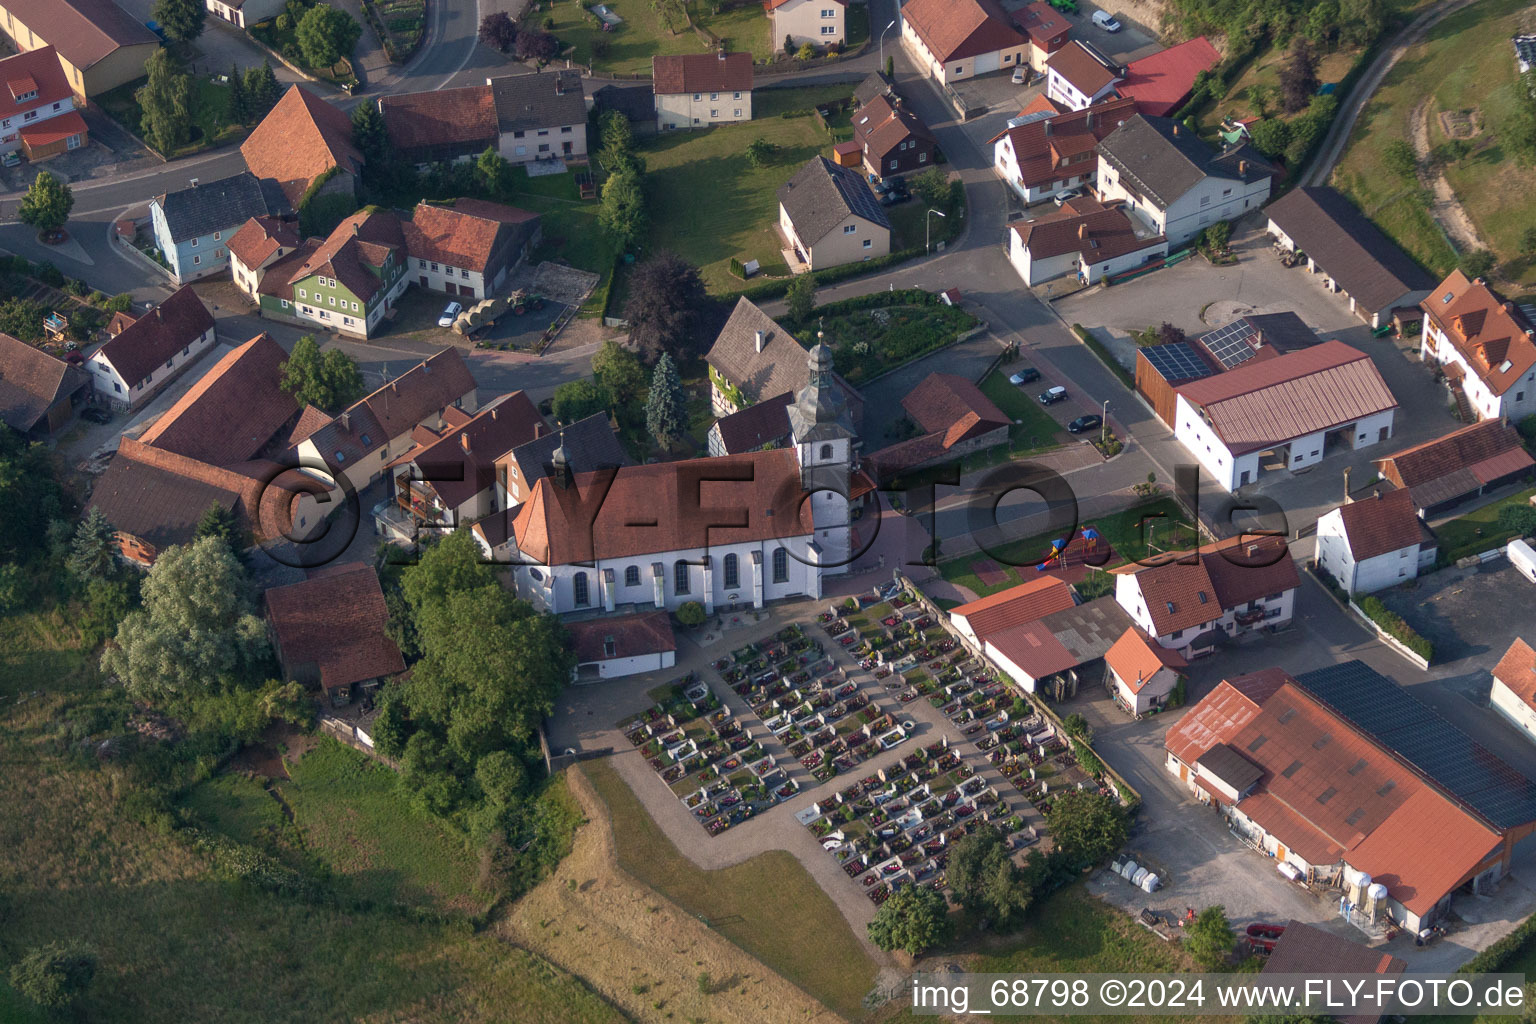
(352, 736)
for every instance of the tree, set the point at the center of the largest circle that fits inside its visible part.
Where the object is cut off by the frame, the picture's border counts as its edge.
(807, 51)
(536, 46)
(666, 300)
(1217, 236)
(1271, 136)
(93, 550)
(328, 380)
(498, 30)
(182, 20)
(1168, 334)
(22, 318)
(666, 409)
(690, 614)
(1298, 78)
(220, 523)
(1477, 263)
(239, 100)
(1518, 130)
(801, 298)
(617, 144)
(196, 633)
(619, 372)
(1209, 937)
(1088, 826)
(915, 918)
(369, 134)
(1260, 96)
(1361, 21)
(56, 975)
(1077, 727)
(759, 151)
(789, 45)
(622, 213)
(47, 203)
(493, 171)
(29, 499)
(325, 35)
(984, 877)
(577, 399)
(165, 103)
(1323, 23)
(1399, 158)
(261, 89)
(1520, 518)
(890, 67)
(932, 187)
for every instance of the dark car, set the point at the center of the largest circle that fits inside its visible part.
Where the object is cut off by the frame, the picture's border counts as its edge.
(1027, 375)
(1093, 421)
(1053, 395)
(95, 414)
(892, 198)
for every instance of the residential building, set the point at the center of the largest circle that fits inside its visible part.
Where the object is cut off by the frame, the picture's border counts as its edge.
(37, 391)
(891, 138)
(1374, 543)
(1485, 346)
(349, 282)
(615, 646)
(1142, 674)
(1514, 687)
(1044, 656)
(331, 632)
(793, 23)
(1043, 154)
(696, 90)
(1047, 28)
(1466, 463)
(828, 216)
(441, 127)
(1079, 75)
(153, 350)
(1305, 949)
(636, 102)
(256, 246)
(1344, 796)
(1030, 601)
(754, 360)
(876, 83)
(1172, 179)
(100, 45)
(757, 427)
(542, 116)
(1085, 237)
(956, 420)
(1161, 82)
(589, 445)
(1185, 600)
(1351, 253)
(1289, 409)
(193, 226)
(245, 13)
(37, 106)
(303, 142)
(956, 39)
(469, 247)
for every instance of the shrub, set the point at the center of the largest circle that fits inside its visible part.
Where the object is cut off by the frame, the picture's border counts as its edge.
(1520, 518)
(691, 613)
(49, 275)
(1527, 428)
(1393, 625)
(284, 22)
(738, 268)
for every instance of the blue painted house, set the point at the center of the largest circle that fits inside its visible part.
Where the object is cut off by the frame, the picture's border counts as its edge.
(193, 226)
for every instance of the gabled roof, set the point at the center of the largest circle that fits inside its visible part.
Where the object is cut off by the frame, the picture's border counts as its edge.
(1162, 81)
(35, 71)
(300, 139)
(1046, 27)
(210, 206)
(335, 621)
(544, 99)
(1084, 226)
(630, 636)
(31, 381)
(1085, 67)
(1136, 659)
(1033, 648)
(1045, 148)
(1457, 463)
(231, 413)
(260, 237)
(1026, 602)
(1493, 336)
(945, 403)
(779, 368)
(1248, 336)
(957, 29)
(1376, 526)
(756, 425)
(464, 234)
(449, 117)
(590, 444)
(1221, 713)
(355, 253)
(275, 282)
(1161, 159)
(1517, 670)
(701, 72)
(1348, 246)
(1182, 591)
(883, 125)
(83, 31)
(875, 84)
(462, 463)
(822, 195)
(1304, 949)
(150, 341)
(1266, 402)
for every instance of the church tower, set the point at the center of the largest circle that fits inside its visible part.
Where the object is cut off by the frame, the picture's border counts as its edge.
(824, 442)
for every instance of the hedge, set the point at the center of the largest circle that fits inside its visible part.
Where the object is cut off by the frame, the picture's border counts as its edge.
(1097, 348)
(775, 288)
(878, 300)
(1393, 625)
(608, 290)
(1495, 957)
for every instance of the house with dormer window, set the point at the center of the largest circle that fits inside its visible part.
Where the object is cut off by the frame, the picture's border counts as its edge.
(1485, 346)
(37, 108)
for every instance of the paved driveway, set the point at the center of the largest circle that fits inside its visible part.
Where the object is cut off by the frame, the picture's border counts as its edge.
(882, 398)
(1467, 615)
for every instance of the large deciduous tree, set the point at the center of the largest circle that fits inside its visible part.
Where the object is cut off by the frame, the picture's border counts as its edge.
(182, 20)
(666, 298)
(165, 103)
(800, 298)
(498, 30)
(577, 399)
(915, 918)
(1298, 78)
(619, 371)
(54, 976)
(47, 203)
(325, 35)
(1087, 826)
(329, 380)
(1209, 938)
(535, 45)
(984, 878)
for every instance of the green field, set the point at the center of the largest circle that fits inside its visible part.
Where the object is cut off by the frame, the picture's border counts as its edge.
(627, 49)
(1465, 63)
(1477, 531)
(41, 651)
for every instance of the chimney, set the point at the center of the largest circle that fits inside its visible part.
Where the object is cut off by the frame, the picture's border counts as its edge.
(1242, 168)
(761, 339)
(721, 54)
(1346, 485)
(1088, 121)
(346, 420)
(357, 227)
(1175, 128)
(394, 386)
(1378, 494)
(464, 440)
(538, 430)
(1047, 127)
(1082, 231)
(493, 412)
(194, 182)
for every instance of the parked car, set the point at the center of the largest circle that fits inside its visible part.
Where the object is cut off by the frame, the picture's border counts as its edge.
(1106, 21)
(892, 198)
(450, 314)
(1024, 376)
(1053, 395)
(1065, 6)
(1092, 421)
(1018, 75)
(1068, 196)
(95, 414)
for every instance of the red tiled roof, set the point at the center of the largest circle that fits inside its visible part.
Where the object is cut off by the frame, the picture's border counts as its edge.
(701, 72)
(1181, 592)
(631, 636)
(260, 237)
(1486, 330)
(55, 129)
(1457, 463)
(336, 621)
(84, 31)
(956, 29)
(463, 235)
(1062, 146)
(1046, 27)
(231, 413)
(1079, 67)
(360, 246)
(882, 126)
(300, 139)
(36, 70)
(1263, 403)
(1034, 648)
(772, 5)
(942, 400)
(1375, 526)
(1161, 82)
(275, 281)
(1027, 602)
(420, 120)
(31, 381)
(150, 341)
(1136, 659)
(1517, 670)
(462, 462)
(1222, 712)
(310, 420)
(1084, 226)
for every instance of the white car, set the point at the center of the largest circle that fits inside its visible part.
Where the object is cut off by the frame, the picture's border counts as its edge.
(1106, 21)
(1018, 75)
(450, 314)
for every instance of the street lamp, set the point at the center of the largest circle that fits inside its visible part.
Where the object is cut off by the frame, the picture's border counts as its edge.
(928, 227)
(882, 42)
(1104, 425)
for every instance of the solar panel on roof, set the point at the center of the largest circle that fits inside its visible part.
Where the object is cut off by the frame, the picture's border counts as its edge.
(1177, 361)
(1232, 344)
(1023, 119)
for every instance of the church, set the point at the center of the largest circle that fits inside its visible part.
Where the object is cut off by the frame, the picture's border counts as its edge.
(729, 532)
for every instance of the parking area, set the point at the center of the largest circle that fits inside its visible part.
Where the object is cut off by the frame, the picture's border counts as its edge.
(1469, 615)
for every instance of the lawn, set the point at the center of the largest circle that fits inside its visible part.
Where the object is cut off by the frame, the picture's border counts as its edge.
(42, 651)
(209, 113)
(868, 342)
(571, 231)
(628, 48)
(1123, 530)
(768, 905)
(1465, 63)
(1032, 425)
(1477, 531)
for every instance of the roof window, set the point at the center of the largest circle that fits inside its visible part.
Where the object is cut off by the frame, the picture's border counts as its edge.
(1288, 714)
(1202, 597)
(1257, 743)
(1170, 605)
(341, 456)
(366, 440)
(1322, 741)
(1389, 787)
(1358, 767)
(1291, 769)
(1355, 816)
(1327, 794)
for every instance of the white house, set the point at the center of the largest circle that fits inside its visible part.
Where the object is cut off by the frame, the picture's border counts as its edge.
(696, 90)
(1514, 687)
(1079, 75)
(1085, 238)
(153, 350)
(829, 217)
(819, 22)
(622, 645)
(956, 39)
(1168, 176)
(542, 116)
(1041, 154)
(1143, 673)
(37, 106)
(1485, 345)
(1289, 408)
(1056, 643)
(245, 13)
(1374, 543)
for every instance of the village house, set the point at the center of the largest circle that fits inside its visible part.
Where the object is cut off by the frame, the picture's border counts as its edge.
(1142, 674)
(441, 127)
(1485, 346)
(350, 280)
(194, 226)
(1045, 656)
(828, 216)
(153, 350)
(330, 632)
(1184, 600)
(256, 246)
(589, 444)
(245, 13)
(1375, 542)
(468, 247)
(1043, 154)
(1514, 688)
(37, 106)
(614, 646)
(38, 391)
(1087, 238)
(304, 143)
(1160, 83)
(1079, 75)
(793, 23)
(954, 419)
(759, 426)
(1047, 28)
(891, 138)
(754, 360)
(100, 45)
(956, 39)
(542, 116)
(696, 90)
(1466, 463)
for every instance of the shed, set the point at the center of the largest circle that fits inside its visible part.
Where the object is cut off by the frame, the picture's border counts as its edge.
(847, 154)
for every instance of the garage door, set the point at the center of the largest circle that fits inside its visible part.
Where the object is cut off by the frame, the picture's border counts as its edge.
(988, 62)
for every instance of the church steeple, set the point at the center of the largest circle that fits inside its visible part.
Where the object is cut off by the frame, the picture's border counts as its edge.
(820, 411)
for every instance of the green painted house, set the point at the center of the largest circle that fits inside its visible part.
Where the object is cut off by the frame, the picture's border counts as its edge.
(345, 283)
